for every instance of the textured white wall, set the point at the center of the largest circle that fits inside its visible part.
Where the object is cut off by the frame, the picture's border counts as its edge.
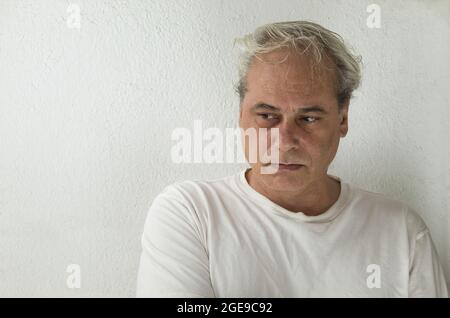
(86, 117)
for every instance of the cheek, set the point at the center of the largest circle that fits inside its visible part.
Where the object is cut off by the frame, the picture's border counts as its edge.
(328, 149)
(320, 148)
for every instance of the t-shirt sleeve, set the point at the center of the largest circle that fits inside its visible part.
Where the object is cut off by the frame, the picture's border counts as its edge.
(174, 260)
(426, 277)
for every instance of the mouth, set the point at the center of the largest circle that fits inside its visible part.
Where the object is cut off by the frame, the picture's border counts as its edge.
(288, 166)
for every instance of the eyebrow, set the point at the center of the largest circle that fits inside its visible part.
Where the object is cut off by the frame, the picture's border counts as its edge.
(307, 109)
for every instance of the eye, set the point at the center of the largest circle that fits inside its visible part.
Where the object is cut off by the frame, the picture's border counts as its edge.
(310, 120)
(267, 116)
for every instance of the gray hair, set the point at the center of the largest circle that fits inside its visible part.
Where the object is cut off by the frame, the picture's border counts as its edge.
(302, 36)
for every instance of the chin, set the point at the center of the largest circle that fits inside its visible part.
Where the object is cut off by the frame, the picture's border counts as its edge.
(283, 182)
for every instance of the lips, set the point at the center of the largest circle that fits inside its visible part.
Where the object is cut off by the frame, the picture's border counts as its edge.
(289, 167)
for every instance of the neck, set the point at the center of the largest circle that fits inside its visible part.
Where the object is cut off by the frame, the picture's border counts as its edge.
(315, 199)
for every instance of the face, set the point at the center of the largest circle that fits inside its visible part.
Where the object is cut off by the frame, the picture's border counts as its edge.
(277, 97)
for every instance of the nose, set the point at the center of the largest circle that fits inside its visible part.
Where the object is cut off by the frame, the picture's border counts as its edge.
(288, 134)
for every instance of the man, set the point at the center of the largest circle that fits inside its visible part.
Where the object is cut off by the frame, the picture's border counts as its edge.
(297, 232)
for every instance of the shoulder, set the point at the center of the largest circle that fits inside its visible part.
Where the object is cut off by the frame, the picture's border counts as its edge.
(376, 200)
(192, 198)
(197, 192)
(389, 209)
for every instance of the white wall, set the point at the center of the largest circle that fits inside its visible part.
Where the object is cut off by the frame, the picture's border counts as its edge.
(86, 117)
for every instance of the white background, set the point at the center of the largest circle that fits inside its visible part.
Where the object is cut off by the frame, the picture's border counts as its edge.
(86, 117)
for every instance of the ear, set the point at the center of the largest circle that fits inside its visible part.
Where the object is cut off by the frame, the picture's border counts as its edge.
(343, 118)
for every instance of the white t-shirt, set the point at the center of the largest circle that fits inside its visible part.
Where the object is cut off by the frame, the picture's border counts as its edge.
(222, 238)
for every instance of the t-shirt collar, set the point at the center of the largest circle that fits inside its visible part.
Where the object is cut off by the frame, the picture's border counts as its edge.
(327, 216)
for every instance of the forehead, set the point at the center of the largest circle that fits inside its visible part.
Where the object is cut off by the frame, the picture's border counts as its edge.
(296, 75)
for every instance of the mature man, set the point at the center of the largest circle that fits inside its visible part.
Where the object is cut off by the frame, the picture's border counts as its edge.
(297, 232)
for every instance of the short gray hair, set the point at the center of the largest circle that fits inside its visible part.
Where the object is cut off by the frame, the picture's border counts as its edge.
(301, 36)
